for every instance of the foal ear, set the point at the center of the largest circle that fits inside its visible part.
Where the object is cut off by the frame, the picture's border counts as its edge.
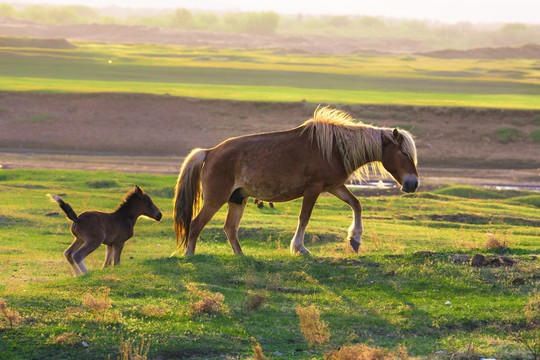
(397, 135)
(138, 189)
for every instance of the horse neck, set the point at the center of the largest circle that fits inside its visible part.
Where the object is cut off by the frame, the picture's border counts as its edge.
(367, 148)
(130, 211)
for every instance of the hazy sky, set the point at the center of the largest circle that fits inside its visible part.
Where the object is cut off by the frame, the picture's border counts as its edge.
(484, 11)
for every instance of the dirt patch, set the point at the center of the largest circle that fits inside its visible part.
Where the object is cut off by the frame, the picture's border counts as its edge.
(160, 125)
(528, 51)
(480, 260)
(36, 43)
(483, 220)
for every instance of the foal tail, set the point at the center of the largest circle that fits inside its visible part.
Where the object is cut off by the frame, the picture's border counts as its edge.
(65, 206)
(187, 198)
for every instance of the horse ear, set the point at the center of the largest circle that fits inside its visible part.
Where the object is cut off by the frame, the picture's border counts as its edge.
(397, 135)
(138, 189)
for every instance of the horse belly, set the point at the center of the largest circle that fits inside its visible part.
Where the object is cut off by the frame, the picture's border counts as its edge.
(272, 183)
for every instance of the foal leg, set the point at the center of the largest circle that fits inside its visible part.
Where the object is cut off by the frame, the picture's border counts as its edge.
(356, 228)
(84, 251)
(108, 257)
(76, 244)
(310, 197)
(231, 224)
(118, 247)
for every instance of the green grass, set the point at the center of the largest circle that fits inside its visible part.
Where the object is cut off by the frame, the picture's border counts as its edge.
(387, 296)
(536, 135)
(509, 134)
(269, 75)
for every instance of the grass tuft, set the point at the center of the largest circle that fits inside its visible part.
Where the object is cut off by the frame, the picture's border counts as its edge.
(258, 352)
(132, 351)
(11, 316)
(69, 338)
(98, 304)
(509, 134)
(255, 299)
(313, 329)
(365, 352)
(208, 303)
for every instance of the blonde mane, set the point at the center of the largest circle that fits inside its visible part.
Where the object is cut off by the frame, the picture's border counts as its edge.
(360, 145)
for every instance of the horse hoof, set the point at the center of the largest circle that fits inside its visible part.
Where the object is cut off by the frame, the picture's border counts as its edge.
(354, 245)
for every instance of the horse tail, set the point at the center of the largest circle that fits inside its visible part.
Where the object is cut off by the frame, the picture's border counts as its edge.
(187, 198)
(71, 215)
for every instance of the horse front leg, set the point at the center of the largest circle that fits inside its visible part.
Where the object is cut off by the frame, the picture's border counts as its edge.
(310, 197)
(356, 229)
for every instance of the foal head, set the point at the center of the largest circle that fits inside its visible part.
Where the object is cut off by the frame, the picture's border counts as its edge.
(140, 203)
(399, 159)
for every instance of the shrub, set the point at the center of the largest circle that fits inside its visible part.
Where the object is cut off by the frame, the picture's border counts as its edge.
(314, 330)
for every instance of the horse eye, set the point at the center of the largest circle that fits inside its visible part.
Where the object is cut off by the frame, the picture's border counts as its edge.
(404, 154)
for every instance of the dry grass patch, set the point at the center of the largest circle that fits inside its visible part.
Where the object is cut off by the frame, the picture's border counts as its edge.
(255, 299)
(69, 338)
(132, 351)
(98, 304)
(365, 352)
(11, 316)
(258, 353)
(208, 302)
(496, 242)
(153, 311)
(313, 329)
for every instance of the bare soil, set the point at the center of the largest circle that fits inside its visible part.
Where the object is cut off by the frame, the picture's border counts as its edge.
(140, 132)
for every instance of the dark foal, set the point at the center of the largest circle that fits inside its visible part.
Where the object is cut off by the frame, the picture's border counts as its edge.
(93, 228)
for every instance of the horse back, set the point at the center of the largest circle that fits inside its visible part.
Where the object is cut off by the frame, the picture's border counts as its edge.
(272, 166)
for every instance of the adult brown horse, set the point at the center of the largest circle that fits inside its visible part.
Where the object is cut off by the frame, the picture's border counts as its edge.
(320, 155)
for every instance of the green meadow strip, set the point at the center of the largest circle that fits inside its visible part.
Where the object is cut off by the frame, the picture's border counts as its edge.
(273, 93)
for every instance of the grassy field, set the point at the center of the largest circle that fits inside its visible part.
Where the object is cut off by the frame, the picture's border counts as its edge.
(272, 75)
(411, 286)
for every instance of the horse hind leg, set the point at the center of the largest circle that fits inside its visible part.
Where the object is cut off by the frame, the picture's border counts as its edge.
(208, 211)
(84, 251)
(231, 226)
(75, 245)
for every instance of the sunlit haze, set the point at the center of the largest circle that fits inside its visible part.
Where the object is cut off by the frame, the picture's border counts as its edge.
(449, 11)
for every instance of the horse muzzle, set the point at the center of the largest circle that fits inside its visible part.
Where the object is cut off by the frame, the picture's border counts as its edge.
(410, 184)
(158, 216)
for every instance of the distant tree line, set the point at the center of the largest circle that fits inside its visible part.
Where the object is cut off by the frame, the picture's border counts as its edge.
(459, 35)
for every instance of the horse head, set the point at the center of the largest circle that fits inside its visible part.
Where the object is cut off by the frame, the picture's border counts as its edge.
(147, 206)
(399, 159)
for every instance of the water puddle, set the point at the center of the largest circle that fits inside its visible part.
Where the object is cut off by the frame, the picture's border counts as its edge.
(388, 184)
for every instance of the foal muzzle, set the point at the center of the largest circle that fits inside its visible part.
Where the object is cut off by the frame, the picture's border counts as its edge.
(410, 184)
